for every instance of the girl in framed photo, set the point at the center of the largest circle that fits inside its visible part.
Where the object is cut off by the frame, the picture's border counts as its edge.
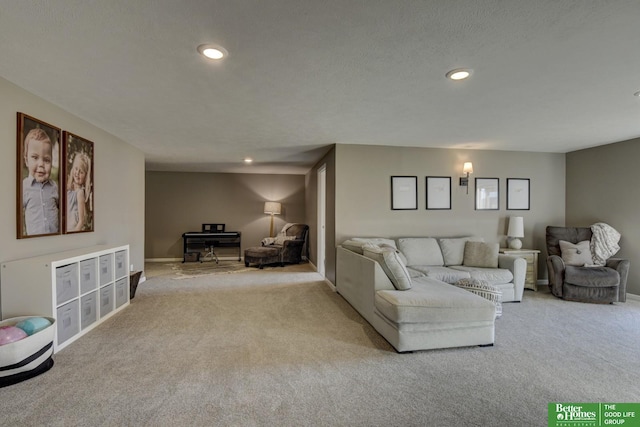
(78, 192)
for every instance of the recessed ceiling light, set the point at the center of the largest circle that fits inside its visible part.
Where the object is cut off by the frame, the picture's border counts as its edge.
(247, 160)
(212, 51)
(459, 74)
(637, 93)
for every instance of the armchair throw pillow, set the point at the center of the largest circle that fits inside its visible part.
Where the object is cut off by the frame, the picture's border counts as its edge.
(578, 254)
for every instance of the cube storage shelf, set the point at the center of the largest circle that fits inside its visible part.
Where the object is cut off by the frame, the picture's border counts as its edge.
(79, 288)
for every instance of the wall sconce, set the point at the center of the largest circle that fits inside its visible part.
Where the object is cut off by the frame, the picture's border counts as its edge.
(515, 232)
(464, 180)
(272, 208)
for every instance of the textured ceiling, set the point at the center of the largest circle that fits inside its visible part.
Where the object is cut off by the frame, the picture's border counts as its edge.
(549, 75)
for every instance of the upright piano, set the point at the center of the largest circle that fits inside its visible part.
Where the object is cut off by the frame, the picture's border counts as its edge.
(211, 234)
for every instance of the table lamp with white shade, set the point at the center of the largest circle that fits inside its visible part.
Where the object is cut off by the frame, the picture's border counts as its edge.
(515, 232)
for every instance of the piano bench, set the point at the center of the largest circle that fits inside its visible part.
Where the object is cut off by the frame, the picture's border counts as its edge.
(262, 256)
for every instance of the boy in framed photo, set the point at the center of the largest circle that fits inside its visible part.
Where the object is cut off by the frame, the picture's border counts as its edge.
(40, 195)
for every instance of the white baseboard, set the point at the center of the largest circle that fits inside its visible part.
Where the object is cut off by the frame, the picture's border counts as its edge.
(543, 282)
(328, 283)
(633, 297)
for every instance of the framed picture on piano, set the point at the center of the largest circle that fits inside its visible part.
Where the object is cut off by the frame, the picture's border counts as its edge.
(213, 228)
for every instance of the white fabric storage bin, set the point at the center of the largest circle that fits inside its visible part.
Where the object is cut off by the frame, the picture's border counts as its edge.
(88, 279)
(68, 321)
(121, 292)
(88, 309)
(121, 264)
(106, 300)
(106, 269)
(28, 357)
(66, 283)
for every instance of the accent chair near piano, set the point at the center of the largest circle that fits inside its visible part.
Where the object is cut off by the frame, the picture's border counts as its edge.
(289, 246)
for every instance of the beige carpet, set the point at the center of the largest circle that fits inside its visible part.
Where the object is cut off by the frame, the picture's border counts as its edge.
(179, 270)
(277, 347)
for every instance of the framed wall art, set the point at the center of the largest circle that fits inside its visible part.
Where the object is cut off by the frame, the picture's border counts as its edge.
(404, 192)
(438, 192)
(39, 170)
(78, 184)
(518, 197)
(487, 194)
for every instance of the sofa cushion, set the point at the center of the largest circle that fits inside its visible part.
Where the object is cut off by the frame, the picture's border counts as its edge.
(446, 274)
(592, 277)
(400, 254)
(494, 276)
(577, 254)
(353, 246)
(391, 264)
(453, 249)
(413, 273)
(432, 301)
(479, 254)
(375, 240)
(421, 251)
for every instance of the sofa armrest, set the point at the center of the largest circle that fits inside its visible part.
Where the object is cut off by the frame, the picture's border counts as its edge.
(357, 280)
(518, 267)
(555, 267)
(622, 267)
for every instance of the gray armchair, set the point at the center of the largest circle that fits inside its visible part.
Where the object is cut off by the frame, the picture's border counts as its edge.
(603, 285)
(292, 251)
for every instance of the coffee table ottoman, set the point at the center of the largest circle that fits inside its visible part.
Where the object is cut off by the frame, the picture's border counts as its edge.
(261, 255)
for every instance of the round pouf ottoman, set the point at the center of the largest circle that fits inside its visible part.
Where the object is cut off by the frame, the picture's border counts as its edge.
(261, 255)
(483, 289)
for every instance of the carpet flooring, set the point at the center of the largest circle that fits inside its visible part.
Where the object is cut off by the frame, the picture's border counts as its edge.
(185, 270)
(278, 347)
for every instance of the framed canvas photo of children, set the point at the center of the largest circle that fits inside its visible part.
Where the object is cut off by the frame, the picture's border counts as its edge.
(78, 184)
(38, 178)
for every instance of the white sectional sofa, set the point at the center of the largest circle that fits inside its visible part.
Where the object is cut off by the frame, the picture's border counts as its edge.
(405, 288)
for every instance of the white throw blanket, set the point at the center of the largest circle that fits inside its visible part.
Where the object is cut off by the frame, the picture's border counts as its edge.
(280, 238)
(604, 242)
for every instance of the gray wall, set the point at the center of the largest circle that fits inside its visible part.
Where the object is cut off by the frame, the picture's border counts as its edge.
(602, 187)
(177, 202)
(363, 193)
(311, 185)
(118, 176)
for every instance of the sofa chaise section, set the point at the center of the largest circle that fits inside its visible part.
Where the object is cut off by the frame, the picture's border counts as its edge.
(431, 314)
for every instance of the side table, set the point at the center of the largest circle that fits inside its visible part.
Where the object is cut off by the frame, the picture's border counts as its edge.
(531, 256)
